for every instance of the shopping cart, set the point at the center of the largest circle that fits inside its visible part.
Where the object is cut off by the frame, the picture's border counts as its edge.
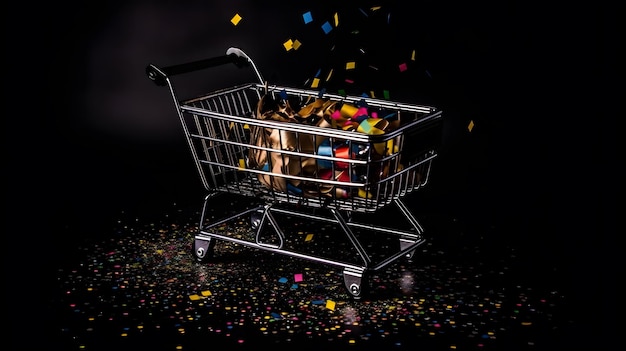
(323, 173)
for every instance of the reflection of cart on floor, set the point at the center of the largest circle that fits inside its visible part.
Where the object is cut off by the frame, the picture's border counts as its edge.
(302, 154)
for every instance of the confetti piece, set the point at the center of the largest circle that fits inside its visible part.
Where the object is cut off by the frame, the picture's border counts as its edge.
(308, 237)
(386, 94)
(403, 67)
(364, 194)
(348, 110)
(296, 44)
(327, 27)
(330, 305)
(307, 17)
(351, 65)
(470, 126)
(330, 74)
(236, 19)
(194, 297)
(315, 83)
(282, 280)
(206, 293)
(413, 55)
(283, 94)
(297, 277)
(288, 45)
(336, 18)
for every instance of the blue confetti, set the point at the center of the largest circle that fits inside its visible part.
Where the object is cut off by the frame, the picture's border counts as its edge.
(327, 27)
(307, 17)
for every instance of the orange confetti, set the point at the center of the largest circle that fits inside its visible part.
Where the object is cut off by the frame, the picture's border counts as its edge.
(470, 126)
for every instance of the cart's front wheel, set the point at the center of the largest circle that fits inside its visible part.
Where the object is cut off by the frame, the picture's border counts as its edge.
(355, 282)
(203, 249)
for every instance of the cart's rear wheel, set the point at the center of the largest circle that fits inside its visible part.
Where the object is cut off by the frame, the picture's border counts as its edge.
(255, 219)
(203, 249)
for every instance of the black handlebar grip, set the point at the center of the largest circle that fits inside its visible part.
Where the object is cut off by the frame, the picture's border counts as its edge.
(159, 75)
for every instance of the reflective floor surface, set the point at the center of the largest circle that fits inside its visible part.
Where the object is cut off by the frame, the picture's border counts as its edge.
(141, 288)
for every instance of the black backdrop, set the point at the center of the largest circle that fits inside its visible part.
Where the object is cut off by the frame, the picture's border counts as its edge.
(88, 136)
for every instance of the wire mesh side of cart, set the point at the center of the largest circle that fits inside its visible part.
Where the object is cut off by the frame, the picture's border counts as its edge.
(219, 127)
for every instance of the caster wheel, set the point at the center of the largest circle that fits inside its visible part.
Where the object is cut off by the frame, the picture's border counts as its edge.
(255, 219)
(355, 283)
(203, 249)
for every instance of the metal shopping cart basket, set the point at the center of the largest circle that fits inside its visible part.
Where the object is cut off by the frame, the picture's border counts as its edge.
(318, 157)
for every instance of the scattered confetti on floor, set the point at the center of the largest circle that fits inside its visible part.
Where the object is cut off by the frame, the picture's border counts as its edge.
(143, 288)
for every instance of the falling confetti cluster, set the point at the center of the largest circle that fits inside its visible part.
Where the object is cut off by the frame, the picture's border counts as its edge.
(144, 287)
(355, 37)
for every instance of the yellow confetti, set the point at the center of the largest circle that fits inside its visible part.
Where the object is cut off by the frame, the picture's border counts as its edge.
(288, 45)
(470, 126)
(336, 17)
(308, 237)
(372, 95)
(296, 44)
(330, 74)
(242, 163)
(413, 56)
(330, 305)
(246, 126)
(194, 297)
(159, 252)
(235, 20)
(351, 65)
(206, 293)
(365, 194)
(315, 83)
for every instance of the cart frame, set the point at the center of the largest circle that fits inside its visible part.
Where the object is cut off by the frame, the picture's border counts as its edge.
(217, 127)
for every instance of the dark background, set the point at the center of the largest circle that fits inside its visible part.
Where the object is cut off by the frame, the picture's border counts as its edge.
(88, 136)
